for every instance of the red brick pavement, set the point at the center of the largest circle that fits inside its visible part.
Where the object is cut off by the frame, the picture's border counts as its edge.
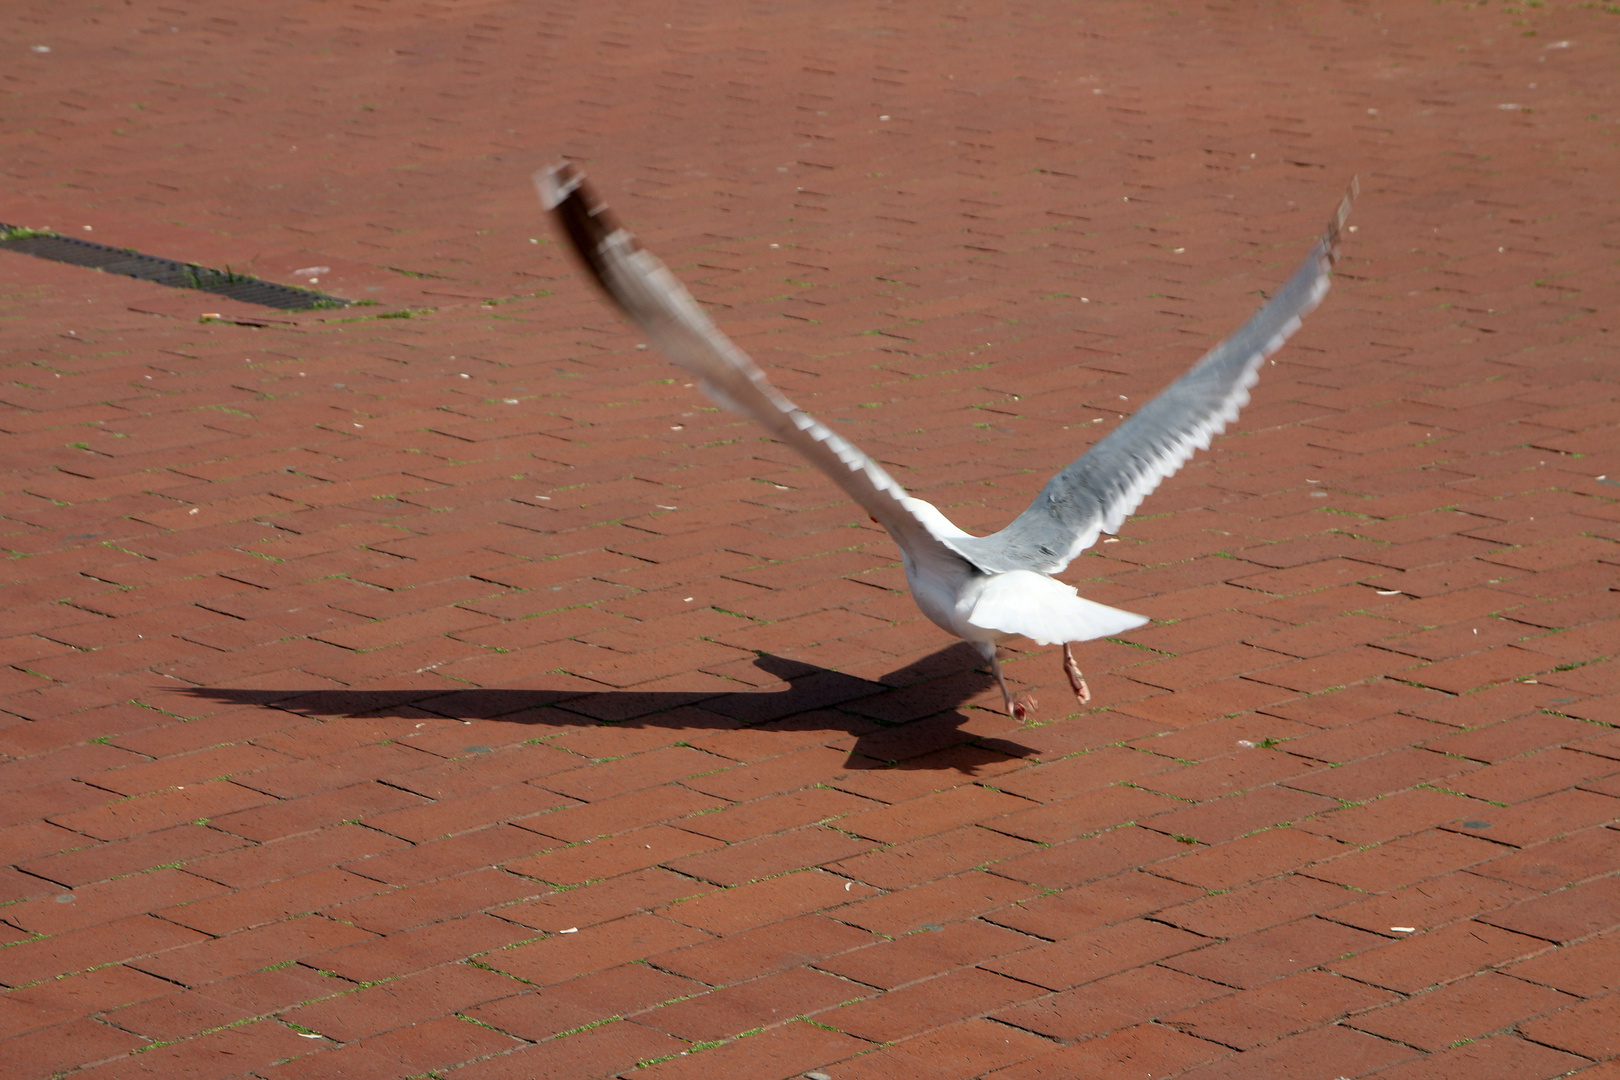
(440, 686)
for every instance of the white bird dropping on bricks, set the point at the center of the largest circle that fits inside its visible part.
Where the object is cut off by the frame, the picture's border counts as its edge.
(982, 589)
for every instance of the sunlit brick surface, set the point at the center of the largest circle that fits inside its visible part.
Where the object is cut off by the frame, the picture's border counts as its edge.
(441, 686)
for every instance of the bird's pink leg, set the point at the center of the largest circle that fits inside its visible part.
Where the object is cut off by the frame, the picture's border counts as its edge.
(1018, 708)
(1076, 680)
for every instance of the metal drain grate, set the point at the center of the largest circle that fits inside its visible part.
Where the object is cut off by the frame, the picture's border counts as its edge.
(177, 275)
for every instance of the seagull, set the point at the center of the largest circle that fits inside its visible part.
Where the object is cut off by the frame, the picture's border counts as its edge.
(983, 589)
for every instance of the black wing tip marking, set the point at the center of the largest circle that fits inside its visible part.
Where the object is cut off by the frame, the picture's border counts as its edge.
(586, 221)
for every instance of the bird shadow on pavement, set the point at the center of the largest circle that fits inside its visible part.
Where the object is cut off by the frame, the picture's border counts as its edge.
(902, 719)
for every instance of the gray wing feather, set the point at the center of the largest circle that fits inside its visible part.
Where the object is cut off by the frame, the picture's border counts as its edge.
(644, 289)
(1106, 484)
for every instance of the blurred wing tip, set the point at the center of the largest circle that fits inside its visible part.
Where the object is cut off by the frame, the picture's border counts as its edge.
(1330, 239)
(557, 182)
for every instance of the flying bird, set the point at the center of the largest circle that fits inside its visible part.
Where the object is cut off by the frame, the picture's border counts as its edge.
(983, 589)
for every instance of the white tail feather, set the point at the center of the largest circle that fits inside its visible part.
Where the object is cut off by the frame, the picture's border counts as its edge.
(1046, 611)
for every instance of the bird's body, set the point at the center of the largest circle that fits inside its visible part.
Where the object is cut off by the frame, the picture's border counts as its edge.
(982, 589)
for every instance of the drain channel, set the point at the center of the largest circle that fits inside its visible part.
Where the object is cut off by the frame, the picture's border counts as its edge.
(177, 275)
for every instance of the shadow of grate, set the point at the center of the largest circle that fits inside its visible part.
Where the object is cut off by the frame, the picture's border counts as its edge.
(177, 275)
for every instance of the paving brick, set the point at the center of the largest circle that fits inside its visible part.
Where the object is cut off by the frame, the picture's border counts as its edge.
(1606, 743)
(186, 769)
(446, 1041)
(91, 905)
(1380, 775)
(329, 771)
(1405, 860)
(98, 862)
(1433, 903)
(627, 990)
(937, 902)
(969, 1048)
(1524, 824)
(1088, 858)
(927, 952)
(1609, 785)
(790, 1050)
(182, 1014)
(1364, 738)
(564, 956)
(1401, 814)
(1197, 705)
(1082, 772)
(1095, 954)
(766, 856)
(1079, 908)
(1587, 1028)
(1126, 1052)
(1276, 1009)
(1566, 914)
(1205, 739)
(599, 1051)
(22, 1015)
(1585, 968)
(439, 991)
(729, 910)
(449, 817)
(603, 901)
(1526, 777)
(1249, 960)
(1334, 1048)
(1249, 858)
(29, 961)
(249, 950)
(50, 1051)
(1498, 742)
(1109, 1004)
(273, 900)
(745, 821)
(1223, 819)
(148, 812)
(764, 1002)
(290, 817)
(122, 721)
(234, 726)
(577, 822)
(251, 865)
(1414, 962)
(91, 991)
(259, 1043)
(422, 947)
(67, 763)
(457, 854)
(1500, 1055)
(1466, 1009)
(932, 814)
(1559, 862)
(947, 853)
(927, 1004)
(632, 773)
(1485, 706)
(1254, 907)
(417, 904)
(806, 939)
(1093, 812)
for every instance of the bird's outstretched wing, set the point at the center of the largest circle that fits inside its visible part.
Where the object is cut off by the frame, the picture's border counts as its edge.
(644, 289)
(1106, 484)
